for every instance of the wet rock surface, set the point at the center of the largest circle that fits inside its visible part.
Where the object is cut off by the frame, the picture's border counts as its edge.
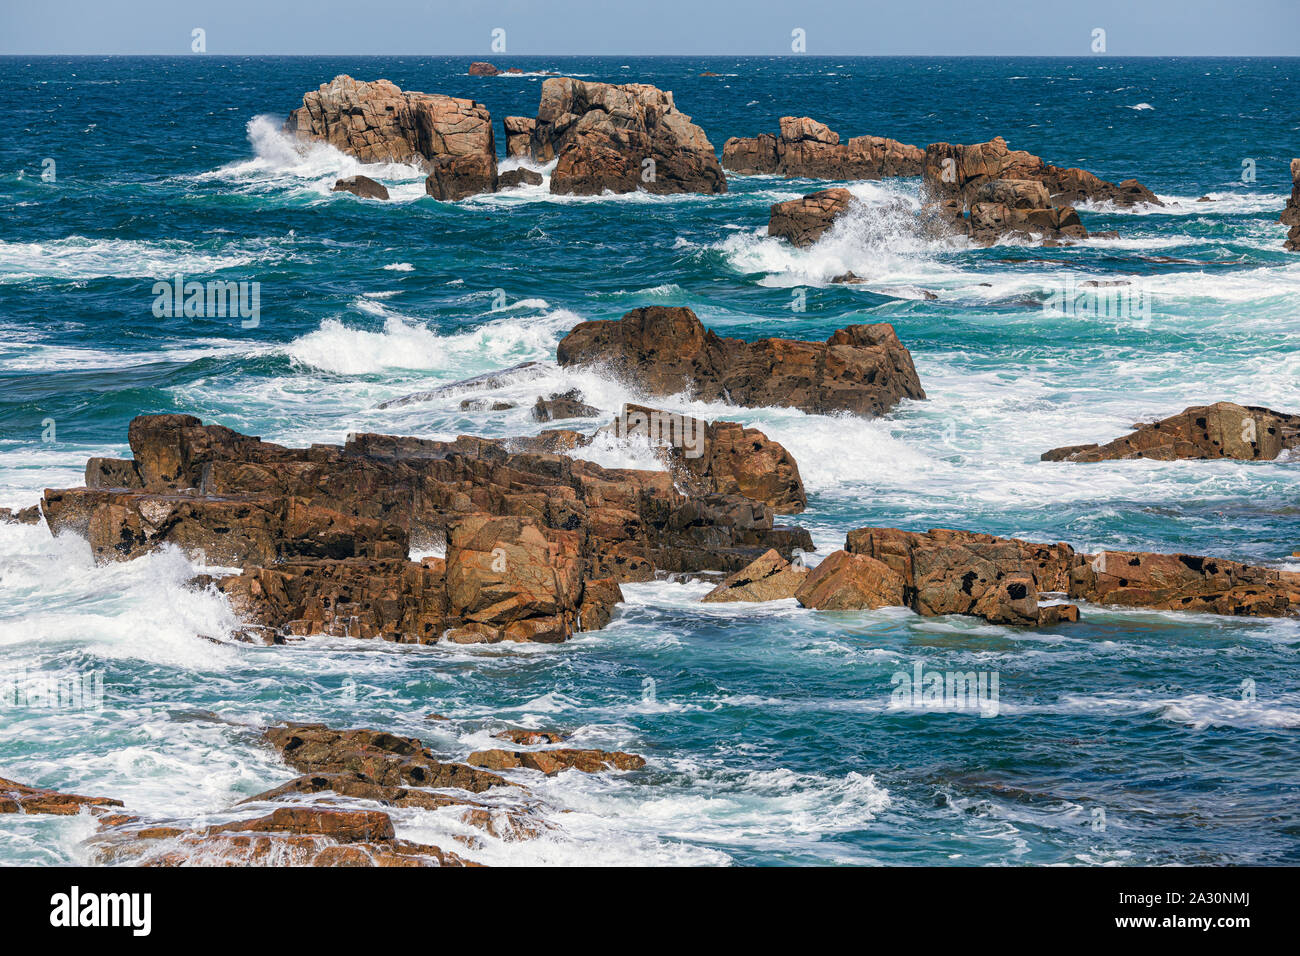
(808, 149)
(1221, 430)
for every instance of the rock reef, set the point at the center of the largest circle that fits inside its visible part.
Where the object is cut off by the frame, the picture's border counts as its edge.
(808, 149)
(1291, 214)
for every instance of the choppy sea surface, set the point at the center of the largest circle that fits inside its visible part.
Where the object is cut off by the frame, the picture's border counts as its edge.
(1129, 738)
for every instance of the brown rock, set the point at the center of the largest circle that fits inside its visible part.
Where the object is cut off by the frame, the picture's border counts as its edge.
(531, 738)
(362, 186)
(621, 139)
(1183, 582)
(379, 123)
(803, 221)
(519, 134)
(849, 582)
(808, 149)
(552, 762)
(1291, 214)
(19, 798)
(770, 578)
(480, 68)
(29, 515)
(518, 177)
(862, 369)
(1221, 430)
(563, 405)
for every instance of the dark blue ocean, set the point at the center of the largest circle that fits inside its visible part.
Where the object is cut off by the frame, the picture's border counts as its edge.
(1129, 738)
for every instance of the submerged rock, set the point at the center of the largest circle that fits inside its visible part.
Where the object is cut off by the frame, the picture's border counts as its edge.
(621, 138)
(379, 123)
(862, 369)
(563, 405)
(552, 762)
(803, 221)
(362, 186)
(20, 798)
(1221, 430)
(770, 578)
(512, 178)
(808, 149)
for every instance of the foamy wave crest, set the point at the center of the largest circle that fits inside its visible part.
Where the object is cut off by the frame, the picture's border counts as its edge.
(78, 257)
(407, 343)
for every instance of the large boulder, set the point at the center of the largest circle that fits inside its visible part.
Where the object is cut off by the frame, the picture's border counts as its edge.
(848, 582)
(770, 578)
(805, 220)
(621, 138)
(377, 122)
(519, 135)
(808, 149)
(1184, 582)
(955, 170)
(1221, 430)
(1019, 207)
(362, 186)
(862, 369)
(1291, 214)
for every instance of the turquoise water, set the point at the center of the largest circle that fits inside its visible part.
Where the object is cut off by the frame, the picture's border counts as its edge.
(1128, 738)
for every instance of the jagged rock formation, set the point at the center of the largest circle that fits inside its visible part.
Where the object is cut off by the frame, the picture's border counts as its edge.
(619, 138)
(862, 369)
(362, 186)
(1291, 214)
(770, 578)
(805, 220)
(1221, 430)
(379, 123)
(519, 134)
(809, 149)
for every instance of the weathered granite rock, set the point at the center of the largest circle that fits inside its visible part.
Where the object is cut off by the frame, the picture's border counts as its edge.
(287, 836)
(552, 762)
(28, 515)
(1221, 430)
(805, 220)
(20, 798)
(770, 578)
(519, 135)
(1291, 214)
(621, 138)
(481, 68)
(513, 178)
(531, 738)
(808, 149)
(862, 369)
(379, 123)
(362, 186)
(563, 405)
(1019, 207)
(956, 171)
(961, 572)
(717, 457)
(382, 758)
(846, 582)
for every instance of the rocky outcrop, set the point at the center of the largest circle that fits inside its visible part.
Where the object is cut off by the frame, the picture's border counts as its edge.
(563, 405)
(513, 178)
(770, 578)
(805, 220)
(607, 137)
(28, 515)
(536, 541)
(956, 171)
(482, 68)
(1003, 579)
(1291, 214)
(551, 762)
(20, 798)
(862, 369)
(379, 123)
(1221, 430)
(1019, 208)
(847, 582)
(519, 135)
(362, 186)
(811, 150)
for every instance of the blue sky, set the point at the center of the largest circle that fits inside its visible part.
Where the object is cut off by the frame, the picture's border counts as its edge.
(632, 27)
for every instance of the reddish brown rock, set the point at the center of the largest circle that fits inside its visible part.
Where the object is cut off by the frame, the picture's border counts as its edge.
(1184, 582)
(606, 137)
(770, 578)
(518, 177)
(957, 171)
(19, 798)
(1221, 430)
(862, 369)
(29, 515)
(808, 149)
(531, 738)
(563, 405)
(519, 134)
(481, 68)
(848, 582)
(381, 758)
(1021, 208)
(1291, 214)
(379, 123)
(362, 186)
(553, 761)
(803, 221)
